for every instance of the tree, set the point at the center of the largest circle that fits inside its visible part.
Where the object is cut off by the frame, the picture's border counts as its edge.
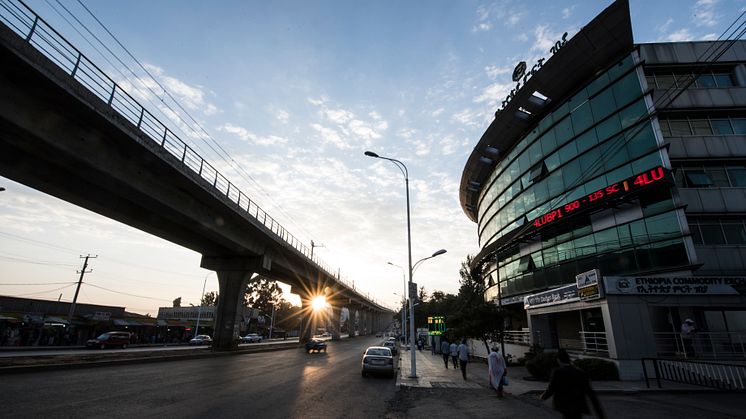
(210, 299)
(177, 302)
(422, 294)
(474, 316)
(262, 293)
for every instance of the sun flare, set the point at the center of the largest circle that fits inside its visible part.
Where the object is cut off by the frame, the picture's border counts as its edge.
(318, 303)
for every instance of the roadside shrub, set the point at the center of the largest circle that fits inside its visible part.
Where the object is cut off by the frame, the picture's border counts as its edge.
(541, 365)
(598, 369)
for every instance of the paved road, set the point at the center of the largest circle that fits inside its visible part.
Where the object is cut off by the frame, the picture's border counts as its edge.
(8, 352)
(278, 384)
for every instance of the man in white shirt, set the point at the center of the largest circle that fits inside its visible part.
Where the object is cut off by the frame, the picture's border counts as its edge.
(463, 356)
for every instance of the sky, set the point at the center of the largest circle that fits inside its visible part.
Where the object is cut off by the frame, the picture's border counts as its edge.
(295, 92)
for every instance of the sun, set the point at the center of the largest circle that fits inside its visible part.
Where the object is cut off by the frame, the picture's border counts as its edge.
(318, 303)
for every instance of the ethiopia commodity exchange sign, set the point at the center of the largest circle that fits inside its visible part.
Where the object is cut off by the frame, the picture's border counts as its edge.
(675, 285)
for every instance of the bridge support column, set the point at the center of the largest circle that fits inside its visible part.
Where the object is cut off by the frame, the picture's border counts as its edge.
(336, 322)
(308, 320)
(229, 309)
(233, 276)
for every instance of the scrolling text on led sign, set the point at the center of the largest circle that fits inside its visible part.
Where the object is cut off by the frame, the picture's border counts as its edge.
(613, 191)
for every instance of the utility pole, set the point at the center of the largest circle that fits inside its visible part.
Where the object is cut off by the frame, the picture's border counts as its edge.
(77, 289)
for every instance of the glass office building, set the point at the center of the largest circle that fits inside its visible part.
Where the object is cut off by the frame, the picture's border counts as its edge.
(612, 173)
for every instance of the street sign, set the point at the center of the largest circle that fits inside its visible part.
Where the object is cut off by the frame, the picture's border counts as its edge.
(413, 291)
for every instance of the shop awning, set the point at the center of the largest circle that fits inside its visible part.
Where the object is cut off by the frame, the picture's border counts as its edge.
(11, 317)
(55, 319)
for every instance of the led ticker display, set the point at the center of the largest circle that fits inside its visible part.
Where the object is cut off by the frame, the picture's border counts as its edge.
(436, 325)
(614, 191)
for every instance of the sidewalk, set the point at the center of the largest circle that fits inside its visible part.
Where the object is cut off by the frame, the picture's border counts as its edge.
(431, 373)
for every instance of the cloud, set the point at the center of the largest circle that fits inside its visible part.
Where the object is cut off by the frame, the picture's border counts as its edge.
(665, 26)
(330, 135)
(349, 129)
(488, 16)
(567, 11)
(250, 137)
(679, 35)
(545, 39)
(704, 13)
(191, 96)
(494, 93)
(282, 115)
(494, 71)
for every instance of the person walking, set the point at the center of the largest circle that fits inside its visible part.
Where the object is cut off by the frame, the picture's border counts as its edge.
(445, 350)
(463, 356)
(569, 386)
(688, 329)
(454, 354)
(497, 369)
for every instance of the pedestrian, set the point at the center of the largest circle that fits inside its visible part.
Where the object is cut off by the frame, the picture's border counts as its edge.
(445, 350)
(687, 337)
(570, 386)
(454, 354)
(463, 356)
(497, 369)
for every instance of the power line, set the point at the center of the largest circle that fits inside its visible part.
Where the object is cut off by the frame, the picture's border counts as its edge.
(36, 283)
(124, 293)
(44, 292)
(34, 262)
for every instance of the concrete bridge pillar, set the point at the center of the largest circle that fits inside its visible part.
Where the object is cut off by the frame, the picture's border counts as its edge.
(308, 319)
(336, 321)
(233, 276)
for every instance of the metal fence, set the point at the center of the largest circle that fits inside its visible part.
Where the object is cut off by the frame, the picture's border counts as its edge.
(21, 19)
(587, 342)
(708, 374)
(707, 345)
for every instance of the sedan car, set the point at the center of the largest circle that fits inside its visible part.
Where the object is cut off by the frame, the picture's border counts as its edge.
(378, 359)
(391, 344)
(251, 338)
(201, 340)
(109, 339)
(315, 345)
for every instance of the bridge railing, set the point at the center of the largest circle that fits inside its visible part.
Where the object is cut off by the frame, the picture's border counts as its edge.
(37, 32)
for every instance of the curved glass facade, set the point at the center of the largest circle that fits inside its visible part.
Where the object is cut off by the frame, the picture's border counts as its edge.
(601, 135)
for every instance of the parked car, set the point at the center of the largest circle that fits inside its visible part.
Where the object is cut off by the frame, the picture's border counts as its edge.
(201, 340)
(109, 339)
(378, 359)
(391, 344)
(251, 338)
(315, 345)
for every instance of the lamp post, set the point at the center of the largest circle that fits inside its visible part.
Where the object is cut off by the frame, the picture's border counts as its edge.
(199, 310)
(403, 169)
(403, 312)
(403, 317)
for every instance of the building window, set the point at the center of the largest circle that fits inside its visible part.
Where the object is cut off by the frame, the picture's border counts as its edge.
(730, 176)
(697, 179)
(718, 232)
(712, 233)
(663, 79)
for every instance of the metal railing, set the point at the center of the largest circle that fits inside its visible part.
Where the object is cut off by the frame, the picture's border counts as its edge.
(517, 337)
(588, 342)
(717, 375)
(707, 345)
(22, 20)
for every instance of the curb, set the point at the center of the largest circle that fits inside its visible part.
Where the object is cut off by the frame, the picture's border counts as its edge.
(20, 369)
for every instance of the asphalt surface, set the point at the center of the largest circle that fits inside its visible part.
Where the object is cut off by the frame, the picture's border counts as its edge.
(277, 384)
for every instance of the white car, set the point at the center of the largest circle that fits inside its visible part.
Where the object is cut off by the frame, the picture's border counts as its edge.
(201, 340)
(251, 338)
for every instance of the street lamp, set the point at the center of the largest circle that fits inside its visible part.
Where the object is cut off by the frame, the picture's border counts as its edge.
(404, 310)
(438, 253)
(403, 169)
(403, 316)
(199, 310)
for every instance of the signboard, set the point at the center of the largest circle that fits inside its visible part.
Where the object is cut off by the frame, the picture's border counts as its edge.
(413, 291)
(561, 295)
(675, 285)
(511, 300)
(587, 279)
(617, 190)
(102, 316)
(591, 292)
(436, 325)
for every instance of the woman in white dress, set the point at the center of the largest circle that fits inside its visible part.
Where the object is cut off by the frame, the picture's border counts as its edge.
(497, 369)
